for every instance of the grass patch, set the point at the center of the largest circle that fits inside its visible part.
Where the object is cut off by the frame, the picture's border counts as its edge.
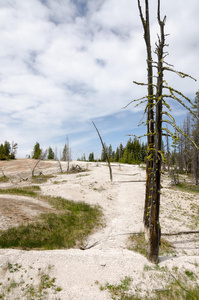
(139, 244)
(187, 187)
(82, 175)
(59, 182)
(41, 178)
(166, 248)
(25, 191)
(121, 290)
(4, 179)
(44, 286)
(178, 288)
(64, 229)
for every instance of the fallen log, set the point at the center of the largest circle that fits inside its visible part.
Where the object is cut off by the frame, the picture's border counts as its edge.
(165, 234)
(180, 233)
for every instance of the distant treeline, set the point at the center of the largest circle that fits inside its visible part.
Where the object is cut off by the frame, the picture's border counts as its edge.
(39, 153)
(133, 153)
(8, 151)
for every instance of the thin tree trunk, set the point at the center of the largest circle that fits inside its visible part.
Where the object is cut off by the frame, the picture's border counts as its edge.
(155, 234)
(150, 117)
(107, 158)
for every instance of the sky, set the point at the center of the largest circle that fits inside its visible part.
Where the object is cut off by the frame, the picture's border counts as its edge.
(64, 63)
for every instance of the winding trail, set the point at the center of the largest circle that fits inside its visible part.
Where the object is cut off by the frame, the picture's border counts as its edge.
(123, 215)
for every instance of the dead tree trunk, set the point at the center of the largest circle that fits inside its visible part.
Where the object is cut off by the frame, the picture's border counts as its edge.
(155, 103)
(150, 116)
(59, 163)
(155, 234)
(33, 169)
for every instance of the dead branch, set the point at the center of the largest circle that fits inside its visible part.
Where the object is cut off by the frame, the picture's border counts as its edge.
(86, 247)
(165, 234)
(24, 179)
(135, 100)
(59, 163)
(131, 174)
(107, 158)
(131, 181)
(180, 233)
(180, 285)
(76, 168)
(33, 169)
(181, 74)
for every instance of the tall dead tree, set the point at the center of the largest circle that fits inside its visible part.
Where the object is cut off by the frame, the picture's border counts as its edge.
(154, 240)
(155, 104)
(150, 115)
(66, 154)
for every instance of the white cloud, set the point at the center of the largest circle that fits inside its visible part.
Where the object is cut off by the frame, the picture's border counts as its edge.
(65, 62)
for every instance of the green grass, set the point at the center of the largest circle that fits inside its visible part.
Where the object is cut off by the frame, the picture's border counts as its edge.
(4, 179)
(25, 191)
(177, 288)
(41, 178)
(139, 244)
(82, 175)
(121, 290)
(64, 229)
(166, 248)
(38, 289)
(187, 187)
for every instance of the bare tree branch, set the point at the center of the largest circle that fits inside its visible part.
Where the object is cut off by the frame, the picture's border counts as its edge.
(33, 169)
(107, 158)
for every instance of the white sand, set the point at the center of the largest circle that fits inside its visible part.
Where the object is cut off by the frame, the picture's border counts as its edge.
(78, 272)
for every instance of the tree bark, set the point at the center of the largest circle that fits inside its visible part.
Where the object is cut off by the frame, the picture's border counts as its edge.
(155, 234)
(150, 117)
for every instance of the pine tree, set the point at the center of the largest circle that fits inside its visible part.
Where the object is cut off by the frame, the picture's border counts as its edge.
(7, 149)
(91, 156)
(110, 152)
(37, 151)
(65, 153)
(51, 154)
(103, 155)
(2, 152)
(117, 156)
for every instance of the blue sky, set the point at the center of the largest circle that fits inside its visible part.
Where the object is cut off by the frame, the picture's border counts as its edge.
(64, 63)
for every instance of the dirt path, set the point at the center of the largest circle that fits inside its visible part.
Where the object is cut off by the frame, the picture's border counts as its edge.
(122, 215)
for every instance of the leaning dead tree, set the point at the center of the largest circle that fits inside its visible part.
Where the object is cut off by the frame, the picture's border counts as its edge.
(157, 108)
(106, 154)
(59, 163)
(34, 167)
